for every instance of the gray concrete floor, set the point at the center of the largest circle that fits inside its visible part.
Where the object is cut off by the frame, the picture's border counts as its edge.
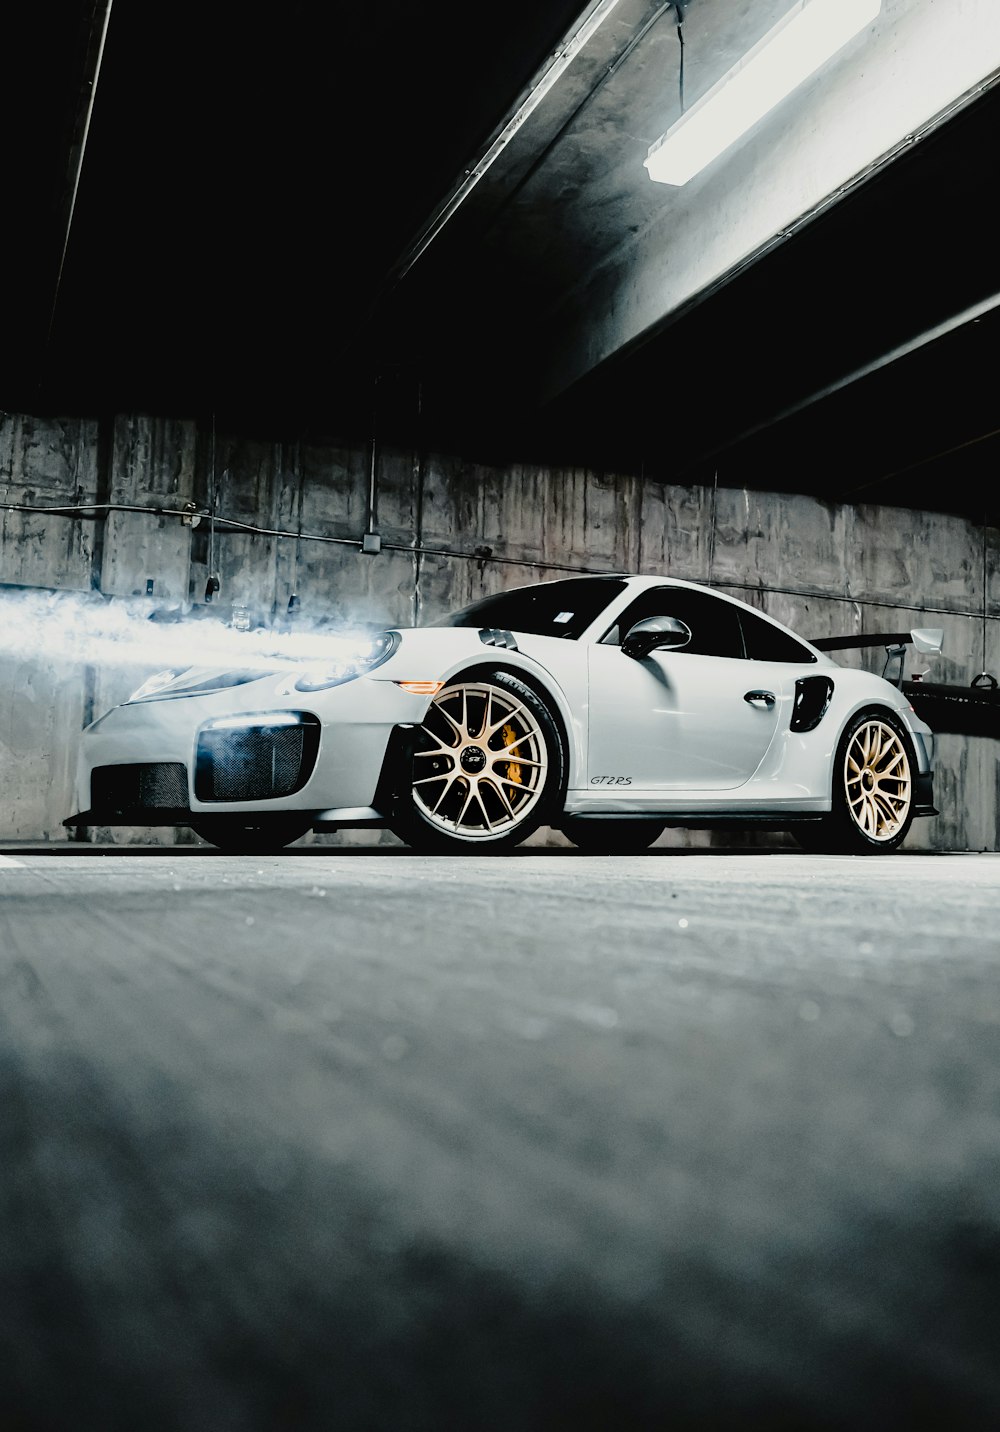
(362, 1140)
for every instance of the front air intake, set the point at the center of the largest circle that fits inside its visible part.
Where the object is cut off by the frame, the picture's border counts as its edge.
(256, 762)
(118, 791)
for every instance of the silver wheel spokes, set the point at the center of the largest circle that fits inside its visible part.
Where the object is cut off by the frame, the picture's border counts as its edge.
(485, 763)
(877, 776)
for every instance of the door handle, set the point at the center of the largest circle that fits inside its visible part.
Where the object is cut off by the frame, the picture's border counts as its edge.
(763, 700)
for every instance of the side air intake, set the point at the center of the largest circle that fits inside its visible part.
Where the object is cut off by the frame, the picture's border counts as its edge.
(256, 762)
(812, 699)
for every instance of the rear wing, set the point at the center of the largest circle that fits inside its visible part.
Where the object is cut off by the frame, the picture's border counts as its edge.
(972, 710)
(925, 639)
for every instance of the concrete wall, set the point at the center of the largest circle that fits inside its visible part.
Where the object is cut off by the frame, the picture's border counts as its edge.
(451, 530)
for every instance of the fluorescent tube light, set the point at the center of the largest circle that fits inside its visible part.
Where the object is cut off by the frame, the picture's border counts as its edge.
(795, 48)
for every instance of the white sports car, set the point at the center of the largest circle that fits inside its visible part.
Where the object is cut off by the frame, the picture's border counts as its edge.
(608, 707)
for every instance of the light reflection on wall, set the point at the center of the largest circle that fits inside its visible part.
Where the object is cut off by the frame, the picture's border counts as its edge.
(79, 630)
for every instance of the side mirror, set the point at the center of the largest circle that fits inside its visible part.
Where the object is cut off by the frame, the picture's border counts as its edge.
(655, 634)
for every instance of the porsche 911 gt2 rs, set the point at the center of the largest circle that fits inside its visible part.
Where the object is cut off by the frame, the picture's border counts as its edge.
(607, 707)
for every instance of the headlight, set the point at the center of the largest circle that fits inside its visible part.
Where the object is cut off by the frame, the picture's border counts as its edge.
(156, 683)
(348, 659)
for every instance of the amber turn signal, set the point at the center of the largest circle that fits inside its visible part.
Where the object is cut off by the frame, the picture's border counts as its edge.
(421, 688)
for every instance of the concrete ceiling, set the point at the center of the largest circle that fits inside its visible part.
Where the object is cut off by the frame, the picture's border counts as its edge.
(247, 221)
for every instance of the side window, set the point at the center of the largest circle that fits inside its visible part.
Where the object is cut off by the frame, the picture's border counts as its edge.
(765, 642)
(715, 624)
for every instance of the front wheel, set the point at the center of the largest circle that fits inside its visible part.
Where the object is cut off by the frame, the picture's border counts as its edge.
(251, 835)
(487, 771)
(611, 837)
(872, 790)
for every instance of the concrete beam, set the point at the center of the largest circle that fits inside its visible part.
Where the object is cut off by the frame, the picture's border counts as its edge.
(919, 63)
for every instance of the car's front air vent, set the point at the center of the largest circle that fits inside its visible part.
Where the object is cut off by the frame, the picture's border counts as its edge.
(493, 636)
(256, 762)
(132, 789)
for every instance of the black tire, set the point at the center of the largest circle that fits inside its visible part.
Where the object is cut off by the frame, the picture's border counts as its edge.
(611, 837)
(251, 835)
(873, 775)
(489, 768)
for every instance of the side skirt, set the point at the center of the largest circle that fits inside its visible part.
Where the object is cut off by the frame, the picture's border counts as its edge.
(697, 820)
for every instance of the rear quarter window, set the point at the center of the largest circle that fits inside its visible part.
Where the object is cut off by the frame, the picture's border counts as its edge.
(765, 642)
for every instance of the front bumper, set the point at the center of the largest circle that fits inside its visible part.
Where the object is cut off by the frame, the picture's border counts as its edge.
(923, 794)
(249, 749)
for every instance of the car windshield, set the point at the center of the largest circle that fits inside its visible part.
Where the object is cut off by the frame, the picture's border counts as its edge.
(563, 609)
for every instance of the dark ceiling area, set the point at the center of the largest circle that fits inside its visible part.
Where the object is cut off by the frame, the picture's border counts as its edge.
(253, 173)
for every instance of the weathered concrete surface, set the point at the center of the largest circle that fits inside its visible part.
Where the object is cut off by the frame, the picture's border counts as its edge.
(44, 464)
(152, 462)
(42, 711)
(553, 1142)
(452, 529)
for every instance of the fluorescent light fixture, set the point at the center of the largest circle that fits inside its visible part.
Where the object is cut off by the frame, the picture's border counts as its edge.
(795, 48)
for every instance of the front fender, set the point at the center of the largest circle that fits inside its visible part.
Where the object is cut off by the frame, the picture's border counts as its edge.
(444, 655)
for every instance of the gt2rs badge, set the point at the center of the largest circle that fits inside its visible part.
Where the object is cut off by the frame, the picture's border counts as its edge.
(611, 780)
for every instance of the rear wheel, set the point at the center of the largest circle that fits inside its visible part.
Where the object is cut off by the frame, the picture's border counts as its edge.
(611, 837)
(248, 835)
(487, 770)
(872, 790)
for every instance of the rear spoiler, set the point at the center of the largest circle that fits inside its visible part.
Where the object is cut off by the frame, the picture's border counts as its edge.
(925, 639)
(972, 710)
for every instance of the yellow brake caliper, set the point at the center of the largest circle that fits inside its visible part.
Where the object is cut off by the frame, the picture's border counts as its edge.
(513, 767)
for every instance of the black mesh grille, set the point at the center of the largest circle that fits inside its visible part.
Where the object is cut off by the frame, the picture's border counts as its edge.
(159, 785)
(255, 763)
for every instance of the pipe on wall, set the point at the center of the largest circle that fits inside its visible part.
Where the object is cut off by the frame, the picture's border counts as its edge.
(418, 550)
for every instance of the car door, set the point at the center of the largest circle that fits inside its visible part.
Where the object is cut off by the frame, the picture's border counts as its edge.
(698, 719)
